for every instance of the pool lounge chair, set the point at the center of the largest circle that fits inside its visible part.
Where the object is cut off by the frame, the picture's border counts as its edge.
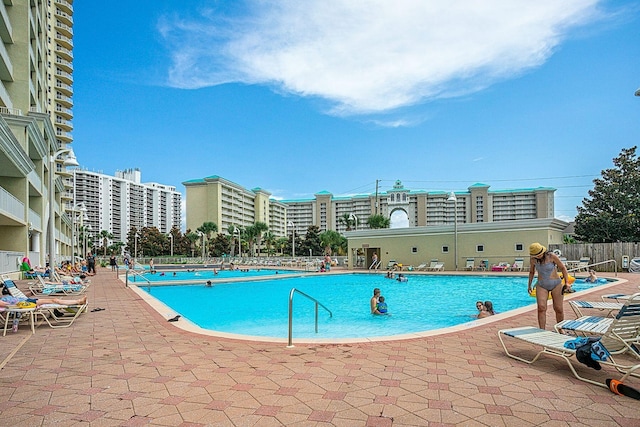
(625, 325)
(553, 343)
(502, 266)
(518, 264)
(583, 264)
(610, 307)
(436, 266)
(471, 264)
(421, 267)
(59, 315)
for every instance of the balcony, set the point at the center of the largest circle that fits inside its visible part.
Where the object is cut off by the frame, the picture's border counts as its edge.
(64, 40)
(66, 65)
(65, 5)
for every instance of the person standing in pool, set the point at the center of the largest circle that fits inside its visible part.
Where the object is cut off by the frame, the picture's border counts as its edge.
(546, 263)
(374, 301)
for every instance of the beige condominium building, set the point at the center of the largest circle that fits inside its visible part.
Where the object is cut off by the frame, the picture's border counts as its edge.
(420, 208)
(215, 199)
(119, 203)
(226, 203)
(36, 90)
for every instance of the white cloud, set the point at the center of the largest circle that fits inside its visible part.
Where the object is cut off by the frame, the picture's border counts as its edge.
(370, 57)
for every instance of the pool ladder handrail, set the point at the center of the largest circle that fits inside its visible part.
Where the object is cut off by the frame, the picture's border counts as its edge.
(317, 303)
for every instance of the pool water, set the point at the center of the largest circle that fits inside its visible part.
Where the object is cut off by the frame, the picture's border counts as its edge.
(260, 308)
(204, 275)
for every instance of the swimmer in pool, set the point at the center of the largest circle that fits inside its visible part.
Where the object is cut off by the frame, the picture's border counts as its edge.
(381, 307)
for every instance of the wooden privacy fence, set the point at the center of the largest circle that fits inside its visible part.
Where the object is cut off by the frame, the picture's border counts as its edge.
(599, 252)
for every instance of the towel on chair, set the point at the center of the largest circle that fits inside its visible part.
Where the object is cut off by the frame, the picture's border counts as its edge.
(589, 351)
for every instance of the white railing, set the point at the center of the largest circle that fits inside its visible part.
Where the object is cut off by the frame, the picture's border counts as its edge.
(11, 205)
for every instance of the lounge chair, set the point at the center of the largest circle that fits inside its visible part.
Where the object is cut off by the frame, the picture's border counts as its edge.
(48, 288)
(58, 315)
(626, 323)
(518, 264)
(471, 264)
(421, 267)
(620, 336)
(583, 264)
(578, 306)
(502, 266)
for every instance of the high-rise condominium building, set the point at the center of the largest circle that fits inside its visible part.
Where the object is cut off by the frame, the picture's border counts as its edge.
(119, 203)
(36, 90)
(226, 203)
(215, 199)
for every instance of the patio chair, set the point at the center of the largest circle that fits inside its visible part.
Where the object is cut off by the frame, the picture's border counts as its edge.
(518, 264)
(471, 264)
(60, 315)
(625, 325)
(421, 267)
(583, 264)
(432, 265)
(578, 306)
(553, 343)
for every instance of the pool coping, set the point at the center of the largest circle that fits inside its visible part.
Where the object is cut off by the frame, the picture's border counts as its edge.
(188, 326)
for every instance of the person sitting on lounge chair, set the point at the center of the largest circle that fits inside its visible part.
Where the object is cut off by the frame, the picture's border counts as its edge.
(8, 300)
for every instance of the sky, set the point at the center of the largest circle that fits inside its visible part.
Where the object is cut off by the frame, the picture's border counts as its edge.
(338, 95)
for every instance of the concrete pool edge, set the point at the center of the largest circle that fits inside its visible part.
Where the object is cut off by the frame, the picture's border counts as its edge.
(189, 326)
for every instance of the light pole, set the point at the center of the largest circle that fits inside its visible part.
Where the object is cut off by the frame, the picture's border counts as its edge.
(69, 160)
(84, 240)
(452, 198)
(201, 234)
(82, 210)
(171, 237)
(353, 217)
(135, 249)
(293, 238)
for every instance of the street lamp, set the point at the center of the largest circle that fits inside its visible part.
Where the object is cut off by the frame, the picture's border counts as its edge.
(201, 234)
(69, 160)
(84, 239)
(82, 210)
(452, 198)
(135, 248)
(293, 238)
(353, 217)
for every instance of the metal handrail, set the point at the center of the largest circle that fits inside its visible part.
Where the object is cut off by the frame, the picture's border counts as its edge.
(615, 266)
(318, 303)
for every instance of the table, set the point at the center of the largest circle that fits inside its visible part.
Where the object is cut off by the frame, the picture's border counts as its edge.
(18, 311)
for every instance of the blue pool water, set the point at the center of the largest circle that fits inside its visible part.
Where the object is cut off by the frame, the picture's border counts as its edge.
(423, 303)
(202, 275)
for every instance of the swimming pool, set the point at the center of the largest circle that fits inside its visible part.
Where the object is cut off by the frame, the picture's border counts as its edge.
(202, 275)
(260, 308)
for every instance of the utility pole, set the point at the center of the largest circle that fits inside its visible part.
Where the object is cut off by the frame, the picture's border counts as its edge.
(377, 180)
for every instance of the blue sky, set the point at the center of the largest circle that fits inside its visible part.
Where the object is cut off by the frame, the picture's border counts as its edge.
(302, 97)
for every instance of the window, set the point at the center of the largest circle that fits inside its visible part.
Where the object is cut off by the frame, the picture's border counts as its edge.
(445, 249)
(519, 247)
(480, 248)
(414, 250)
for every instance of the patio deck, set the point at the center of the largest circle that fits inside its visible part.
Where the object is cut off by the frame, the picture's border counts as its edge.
(128, 366)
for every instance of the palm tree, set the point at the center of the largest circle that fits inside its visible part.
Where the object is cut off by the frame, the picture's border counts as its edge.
(269, 241)
(378, 221)
(106, 236)
(259, 228)
(207, 228)
(347, 220)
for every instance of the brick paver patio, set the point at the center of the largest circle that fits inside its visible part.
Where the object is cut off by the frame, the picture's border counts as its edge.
(128, 366)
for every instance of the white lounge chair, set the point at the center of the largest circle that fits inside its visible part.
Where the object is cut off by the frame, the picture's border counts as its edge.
(578, 306)
(421, 267)
(471, 264)
(518, 264)
(583, 264)
(553, 343)
(432, 265)
(627, 319)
